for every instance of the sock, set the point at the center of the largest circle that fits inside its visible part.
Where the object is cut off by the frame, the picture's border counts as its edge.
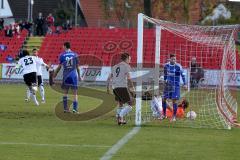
(154, 108)
(164, 105)
(125, 111)
(75, 105)
(65, 107)
(174, 109)
(34, 98)
(118, 111)
(28, 93)
(42, 92)
(157, 110)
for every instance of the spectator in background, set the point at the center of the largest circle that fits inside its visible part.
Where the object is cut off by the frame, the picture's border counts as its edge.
(3, 47)
(10, 59)
(58, 30)
(50, 23)
(67, 26)
(50, 20)
(21, 25)
(13, 26)
(1, 24)
(39, 24)
(17, 29)
(28, 26)
(196, 73)
(9, 31)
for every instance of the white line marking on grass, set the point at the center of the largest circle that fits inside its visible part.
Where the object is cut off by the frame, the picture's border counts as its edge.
(54, 145)
(108, 155)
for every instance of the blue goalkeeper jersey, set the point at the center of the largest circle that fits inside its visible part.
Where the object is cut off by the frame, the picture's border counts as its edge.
(69, 61)
(172, 74)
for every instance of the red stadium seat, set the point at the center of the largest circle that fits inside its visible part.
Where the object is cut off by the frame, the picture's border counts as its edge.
(105, 43)
(14, 44)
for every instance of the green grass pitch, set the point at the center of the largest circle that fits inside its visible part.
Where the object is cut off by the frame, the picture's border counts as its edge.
(28, 132)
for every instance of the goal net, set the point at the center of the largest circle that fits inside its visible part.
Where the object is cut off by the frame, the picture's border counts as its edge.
(210, 90)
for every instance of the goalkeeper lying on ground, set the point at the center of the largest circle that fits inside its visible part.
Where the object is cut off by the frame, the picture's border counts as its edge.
(156, 107)
(180, 110)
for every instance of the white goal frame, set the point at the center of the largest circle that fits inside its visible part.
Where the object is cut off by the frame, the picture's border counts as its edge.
(158, 29)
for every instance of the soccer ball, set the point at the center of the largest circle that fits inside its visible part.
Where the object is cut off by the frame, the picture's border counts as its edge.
(191, 115)
(35, 88)
(161, 79)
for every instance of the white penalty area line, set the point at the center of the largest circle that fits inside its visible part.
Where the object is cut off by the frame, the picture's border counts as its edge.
(114, 149)
(54, 145)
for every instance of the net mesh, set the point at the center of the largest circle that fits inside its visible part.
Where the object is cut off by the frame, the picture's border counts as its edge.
(211, 90)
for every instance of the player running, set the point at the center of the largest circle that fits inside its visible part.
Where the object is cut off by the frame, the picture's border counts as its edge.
(29, 65)
(120, 77)
(39, 76)
(71, 74)
(172, 73)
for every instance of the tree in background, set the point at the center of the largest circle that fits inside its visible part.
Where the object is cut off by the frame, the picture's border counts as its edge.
(180, 11)
(124, 11)
(64, 12)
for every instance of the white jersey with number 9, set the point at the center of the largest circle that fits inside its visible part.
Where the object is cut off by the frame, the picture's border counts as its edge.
(119, 73)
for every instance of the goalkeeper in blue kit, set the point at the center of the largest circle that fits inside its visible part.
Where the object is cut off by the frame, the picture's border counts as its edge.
(172, 73)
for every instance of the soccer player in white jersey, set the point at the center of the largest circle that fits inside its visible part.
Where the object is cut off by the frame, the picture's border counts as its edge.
(39, 76)
(29, 65)
(120, 77)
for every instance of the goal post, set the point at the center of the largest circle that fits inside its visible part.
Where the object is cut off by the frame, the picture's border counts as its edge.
(157, 59)
(138, 117)
(214, 49)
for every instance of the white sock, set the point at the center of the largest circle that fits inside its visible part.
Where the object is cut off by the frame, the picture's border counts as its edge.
(118, 111)
(125, 111)
(156, 111)
(156, 106)
(34, 98)
(42, 92)
(28, 93)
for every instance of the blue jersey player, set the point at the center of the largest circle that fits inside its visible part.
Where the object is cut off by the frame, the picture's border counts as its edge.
(172, 73)
(68, 60)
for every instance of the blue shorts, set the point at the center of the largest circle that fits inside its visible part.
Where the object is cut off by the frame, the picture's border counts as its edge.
(171, 92)
(70, 82)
